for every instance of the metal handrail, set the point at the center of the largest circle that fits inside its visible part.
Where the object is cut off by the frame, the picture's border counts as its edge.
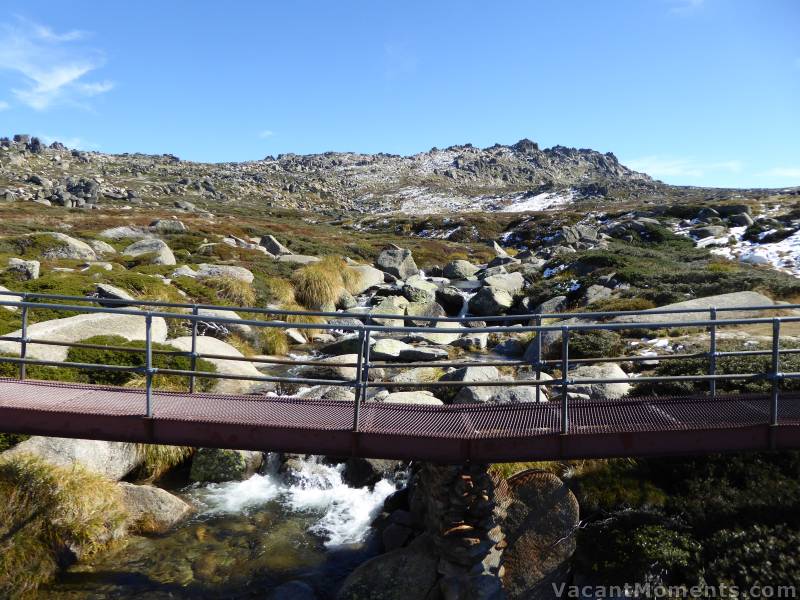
(364, 330)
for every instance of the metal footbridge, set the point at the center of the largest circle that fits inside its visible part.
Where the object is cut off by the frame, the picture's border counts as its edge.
(564, 427)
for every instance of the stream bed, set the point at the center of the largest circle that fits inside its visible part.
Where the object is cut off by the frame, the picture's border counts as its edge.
(246, 538)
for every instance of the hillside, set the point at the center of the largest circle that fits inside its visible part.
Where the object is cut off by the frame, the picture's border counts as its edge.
(516, 178)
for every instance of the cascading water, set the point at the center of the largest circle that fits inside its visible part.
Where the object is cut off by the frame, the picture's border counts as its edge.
(247, 536)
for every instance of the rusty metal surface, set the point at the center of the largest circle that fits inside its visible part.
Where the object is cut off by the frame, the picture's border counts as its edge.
(628, 427)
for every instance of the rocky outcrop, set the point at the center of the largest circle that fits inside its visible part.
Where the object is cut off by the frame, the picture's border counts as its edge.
(205, 271)
(273, 246)
(62, 246)
(734, 299)
(601, 391)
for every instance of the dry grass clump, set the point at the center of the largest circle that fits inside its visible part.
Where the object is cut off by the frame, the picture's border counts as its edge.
(306, 318)
(319, 285)
(233, 291)
(46, 511)
(279, 290)
(274, 341)
(157, 459)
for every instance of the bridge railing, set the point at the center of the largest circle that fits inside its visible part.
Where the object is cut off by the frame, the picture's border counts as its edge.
(365, 327)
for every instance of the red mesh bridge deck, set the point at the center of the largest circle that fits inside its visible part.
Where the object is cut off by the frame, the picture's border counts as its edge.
(487, 433)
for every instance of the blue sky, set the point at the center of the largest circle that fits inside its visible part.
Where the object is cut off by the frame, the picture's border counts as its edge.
(698, 92)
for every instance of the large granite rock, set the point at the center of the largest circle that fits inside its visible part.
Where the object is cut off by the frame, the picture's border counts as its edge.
(389, 349)
(490, 301)
(64, 246)
(273, 246)
(158, 251)
(113, 460)
(601, 391)
(398, 262)
(409, 573)
(734, 299)
(540, 525)
(81, 327)
(459, 269)
(368, 277)
(25, 269)
(151, 509)
(205, 271)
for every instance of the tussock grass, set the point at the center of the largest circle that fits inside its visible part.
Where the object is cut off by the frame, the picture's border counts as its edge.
(279, 290)
(233, 291)
(274, 341)
(293, 319)
(157, 459)
(46, 510)
(317, 286)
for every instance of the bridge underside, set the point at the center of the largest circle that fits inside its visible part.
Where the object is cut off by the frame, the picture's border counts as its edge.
(484, 433)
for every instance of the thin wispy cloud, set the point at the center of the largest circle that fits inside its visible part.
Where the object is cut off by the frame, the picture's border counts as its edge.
(4, 105)
(53, 67)
(685, 7)
(783, 173)
(663, 166)
(266, 133)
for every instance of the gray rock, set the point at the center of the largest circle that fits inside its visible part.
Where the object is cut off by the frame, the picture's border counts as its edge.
(273, 246)
(205, 271)
(419, 290)
(216, 465)
(100, 247)
(242, 329)
(394, 350)
(512, 347)
(541, 520)
(66, 247)
(733, 299)
(398, 262)
(390, 305)
(596, 293)
(160, 251)
(498, 251)
(556, 305)
(300, 259)
(498, 394)
(81, 327)
(368, 277)
(490, 301)
(332, 369)
(167, 226)
(112, 292)
(510, 282)
(363, 472)
(472, 341)
(8, 298)
(151, 509)
(409, 573)
(210, 345)
(709, 231)
(459, 269)
(451, 299)
(113, 460)
(601, 391)
(413, 397)
(741, 220)
(27, 269)
(423, 309)
(125, 232)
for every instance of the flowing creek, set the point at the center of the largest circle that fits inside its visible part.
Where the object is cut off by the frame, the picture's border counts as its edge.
(246, 538)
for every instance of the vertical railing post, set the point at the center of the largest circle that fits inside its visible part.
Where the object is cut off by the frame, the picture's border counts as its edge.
(538, 342)
(23, 342)
(363, 377)
(564, 380)
(775, 374)
(193, 358)
(712, 352)
(148, 336)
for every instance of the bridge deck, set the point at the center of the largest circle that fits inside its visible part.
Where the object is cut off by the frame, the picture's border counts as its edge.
(489, 433)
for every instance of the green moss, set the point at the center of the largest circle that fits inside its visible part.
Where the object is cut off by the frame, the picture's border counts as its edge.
(135, 358)
(9, 440)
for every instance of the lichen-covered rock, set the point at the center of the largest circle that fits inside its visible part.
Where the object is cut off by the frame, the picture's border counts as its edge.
(26, 269)
(459, 269)
(64, 246)
(540, 526)
(367, 277)
(273, 246)
(490, 301)
(215, 465)
(601, 391)
(205, 270)
(210, 345)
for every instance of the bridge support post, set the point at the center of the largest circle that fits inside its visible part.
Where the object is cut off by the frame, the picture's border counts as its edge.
(148, 320)
(193, 357)
(775, 371)
(23, 344)
(362, 376)
(712, 352)
(565, 380)
(538, 341)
